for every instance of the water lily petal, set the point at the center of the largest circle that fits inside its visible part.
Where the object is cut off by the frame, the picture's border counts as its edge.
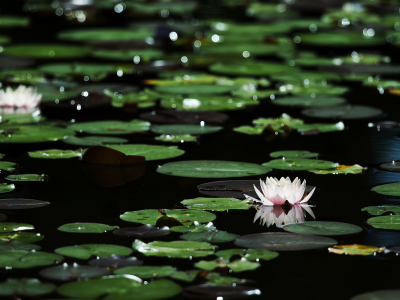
(279, 196)
(300, 192)
(264, 200)
(308, 209)
(308, 196)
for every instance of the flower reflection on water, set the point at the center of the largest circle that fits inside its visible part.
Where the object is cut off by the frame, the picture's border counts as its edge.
(282, 215)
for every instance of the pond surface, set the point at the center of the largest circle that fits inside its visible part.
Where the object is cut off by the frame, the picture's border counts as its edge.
(80, 192)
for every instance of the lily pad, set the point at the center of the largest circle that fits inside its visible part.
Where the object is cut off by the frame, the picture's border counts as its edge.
(217, 279)
(187, 276)
(212, 236)
(16, 245)
(103, 34)
(21, 236)
(25, 177)
(341, 169)
(294, 154)
(282, 241)
(111, 127)
(195, 89)
(343, 112)
(176, 138)
(208, 291)
(385, 222)
(390, 189)
(394, 165)
(20, 203)
(32, 133)
(13, 21)
(55, 154)
(184, 129)
(46, 51)
(249, 254)
(323, 228)
(120, 287)
(20, 259)
(94, 71)
(7, 165)
(72, 272)
(212, 169)
(145, 231)
(86, 228)
(380, 210)
(303, 101)
(356, 249)
(185, 216)
(239, 265)
(25, 286)
(252, 69)
(341, 39)
(297, 164)
(195, 227)
(87, 250)
(129, 55)
(177, 249)
(379, 295)
(12, 226)
(184, 117)
(217, 204)
(93, 140)
(6, 188)
(146, 272)
(115, 261)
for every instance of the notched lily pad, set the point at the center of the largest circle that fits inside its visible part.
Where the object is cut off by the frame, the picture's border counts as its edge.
(25, 286)
(146, 272)
(323, 228)
(21, 203)
(356, 249)
(20, 259)
(86, 228)
(73, 272)
(145, 231)
(391, 222)
(87, 250)
(217, 204)
(150, 152)
(16, 245)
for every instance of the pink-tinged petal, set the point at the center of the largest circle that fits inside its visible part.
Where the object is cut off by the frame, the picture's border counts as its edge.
(308, 209)
(250, 197)
(264, 200)
(308, 196)
(300, 192)
(279, 196)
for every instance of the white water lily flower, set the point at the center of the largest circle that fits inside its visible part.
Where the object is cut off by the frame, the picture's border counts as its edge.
(279, 192)
(22, 97)
(270, 215)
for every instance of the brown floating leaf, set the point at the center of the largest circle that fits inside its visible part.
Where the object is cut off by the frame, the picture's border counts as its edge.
(21, 203)
(107, 156)
(356, 249)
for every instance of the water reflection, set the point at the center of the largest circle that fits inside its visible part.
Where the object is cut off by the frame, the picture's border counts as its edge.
(282, 215)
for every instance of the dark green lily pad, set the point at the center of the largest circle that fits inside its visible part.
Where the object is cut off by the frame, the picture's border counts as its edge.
(20, 259)
(178, 249)
(212, 236)
(283, 241)
(378, 295)
(185, 216)
(176, 138)
(217, 204)
(128, 55)
(115, 261)
(150, 152)
(184, 129)
(12, 226)
(22, 76)
(111, 127)
(25, 177)
(380, 210)
(343, 112)
(146, 272)
(187, 276)
(145, 231)
(86, 228)
(87, 250)
(211, 169)
(294, 154)
(252, 69)
(93, 140)
(319, 127)
(249, 254)
(207, 103)
(94, 71)
(21, 236)
(195, 89)
(55, 154)
(7, 165)
(218, 279)
(32, 133)
(313, 90)
(297, 164)
(16, 245)
(239, 265)
(46, 51)
(25, 286)
(390, 189)
(341, 39)
(72, 272)
(323, 228)
(303, 101)
(120, 287)
(103, 34)
(210, 291)
(5, 188)
(13, 21)
(238, 49)
(385, 222)
(195, 227)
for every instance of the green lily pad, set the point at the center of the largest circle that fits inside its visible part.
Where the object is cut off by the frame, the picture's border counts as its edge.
(217, 204)
(252, 69)
(12, 226)
(55, 154)
(239, 265)
(21, 236)
(46, 51)
(16, 245)
(103, 34)
(25, 177)
(20, 259)
(185, 216)
(50, 94)
(128, 55)
(187, 276)
(94, 71)
(195, 89)
(176, 138)
(390, 189)
(303, 101)
(321, 127)
(343, 112)
(176, 249)
(212, 236)
(120, 287)
(342, 169)
(32, 133)
(25, 286)
(217, 279)
(23, 118)
(86, 228)
(249, 254)
(142, 97)
(294, 154)
(380, 210)
(306, 78)
(313, 90)
(150, 152)
(385, 222)
(22, 76)
(323, 228)
(111, 127)
(184, 129)
(146, 272)
(5, 188)
(13, 21)
(7, 166)
(204, 103)
(195, 227)
(341, 39)
(67, 272)
(379, 295)
(87, 250)
(297, 164)
(211, 169)
(93, 140)
(252, 49)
